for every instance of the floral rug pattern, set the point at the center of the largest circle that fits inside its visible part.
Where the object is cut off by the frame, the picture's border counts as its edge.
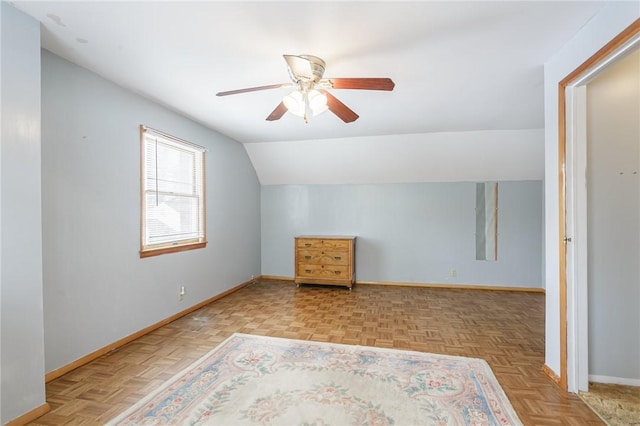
(256, 380)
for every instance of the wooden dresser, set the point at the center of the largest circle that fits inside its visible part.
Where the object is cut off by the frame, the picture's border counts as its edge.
(327, 260)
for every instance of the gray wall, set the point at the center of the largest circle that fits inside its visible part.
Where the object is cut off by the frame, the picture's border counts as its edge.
(613, 221)
(21, 337)
(409, 232)
(96, 288)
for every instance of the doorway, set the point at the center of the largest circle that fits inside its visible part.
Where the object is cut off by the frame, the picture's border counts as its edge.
(574, 226)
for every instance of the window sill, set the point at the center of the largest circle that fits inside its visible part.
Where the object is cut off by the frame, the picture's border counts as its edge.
(171, 249)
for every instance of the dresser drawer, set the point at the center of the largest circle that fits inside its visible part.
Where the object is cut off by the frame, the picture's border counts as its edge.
(322, 257)
(323, 244)
(339, 272)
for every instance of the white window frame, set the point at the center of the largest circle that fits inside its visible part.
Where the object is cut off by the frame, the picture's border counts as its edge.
(196, 237)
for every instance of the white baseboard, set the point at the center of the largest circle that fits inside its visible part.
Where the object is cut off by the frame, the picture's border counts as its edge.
(614, 380)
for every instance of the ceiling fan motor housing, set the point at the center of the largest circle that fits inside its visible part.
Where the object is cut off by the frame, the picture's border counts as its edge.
(317, 67)
(307, 68)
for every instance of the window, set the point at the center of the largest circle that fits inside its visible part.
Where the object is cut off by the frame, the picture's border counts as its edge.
(172, 194)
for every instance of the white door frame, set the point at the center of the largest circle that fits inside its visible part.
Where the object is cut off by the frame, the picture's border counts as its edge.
(576, 230)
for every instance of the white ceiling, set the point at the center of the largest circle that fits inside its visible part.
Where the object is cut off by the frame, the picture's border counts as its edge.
(458, 66)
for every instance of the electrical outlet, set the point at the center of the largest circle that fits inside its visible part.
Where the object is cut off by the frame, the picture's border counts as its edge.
(181, 292)
(453, 272)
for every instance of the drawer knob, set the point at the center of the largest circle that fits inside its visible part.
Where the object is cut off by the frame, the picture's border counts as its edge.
(307, 257)
(337, 272)
(307, 244)
(308, 271)
(337, 257)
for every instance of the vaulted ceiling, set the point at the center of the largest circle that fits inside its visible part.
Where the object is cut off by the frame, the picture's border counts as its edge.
(459, 66)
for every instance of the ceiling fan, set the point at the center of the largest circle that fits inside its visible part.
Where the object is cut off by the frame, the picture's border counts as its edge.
(311, 95)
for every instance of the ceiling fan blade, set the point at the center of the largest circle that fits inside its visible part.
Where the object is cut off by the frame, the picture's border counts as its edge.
(362, 83)
(254, 89)
(277, 113)
(336, 106)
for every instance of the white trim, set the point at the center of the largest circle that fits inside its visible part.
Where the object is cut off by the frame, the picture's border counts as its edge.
(581, 236)
(613, 380)
(576, 229)
(592, 72)
(569, 233)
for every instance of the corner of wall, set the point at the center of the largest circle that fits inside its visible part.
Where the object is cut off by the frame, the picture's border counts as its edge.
(22, 339)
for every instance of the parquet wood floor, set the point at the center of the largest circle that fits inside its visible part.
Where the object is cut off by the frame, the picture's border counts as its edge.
(505, 328)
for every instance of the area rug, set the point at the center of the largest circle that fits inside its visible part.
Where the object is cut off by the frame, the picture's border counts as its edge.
(617, 405)
(255, 380)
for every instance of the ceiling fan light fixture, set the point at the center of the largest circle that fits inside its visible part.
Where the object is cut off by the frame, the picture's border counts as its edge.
(301, 102)
(295, 103)
(317, 102)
